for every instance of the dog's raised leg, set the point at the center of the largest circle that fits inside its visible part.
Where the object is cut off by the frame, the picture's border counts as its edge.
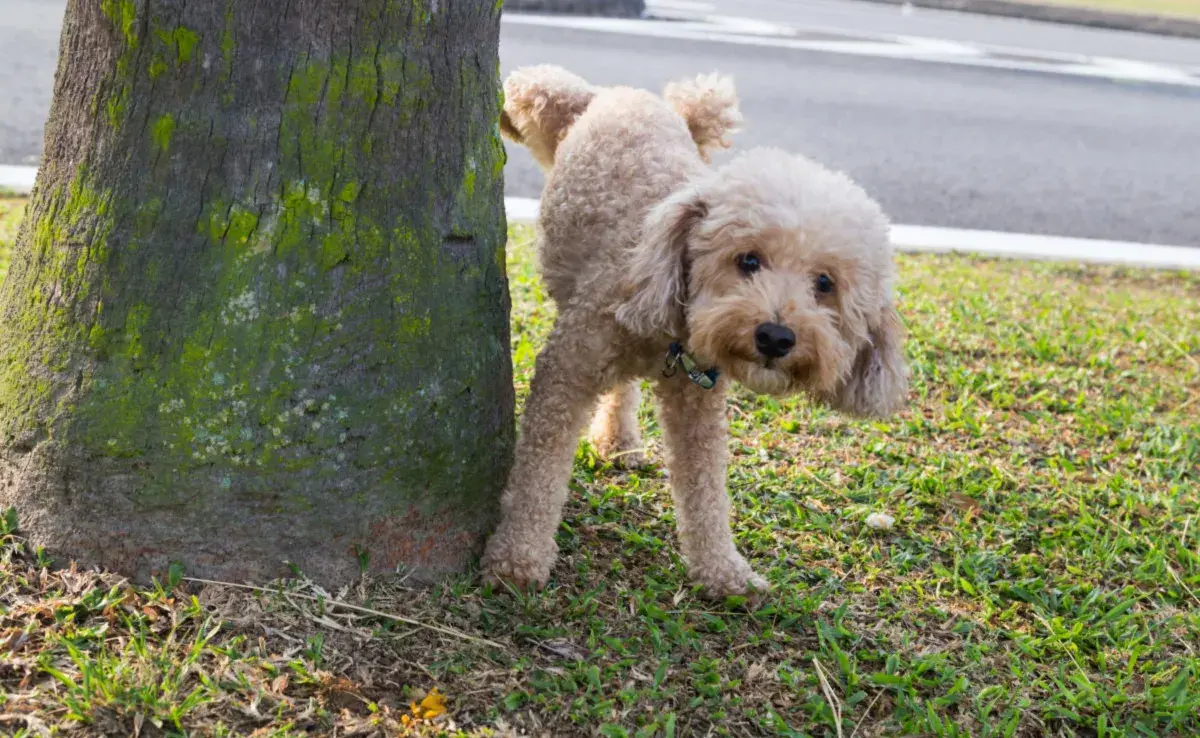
(565, 384)
(695, 435)
(614, 430)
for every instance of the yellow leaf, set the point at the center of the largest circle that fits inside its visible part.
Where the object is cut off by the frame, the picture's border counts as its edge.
(433, 705)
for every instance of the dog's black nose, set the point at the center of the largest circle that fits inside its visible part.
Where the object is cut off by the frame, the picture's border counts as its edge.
(774, 340)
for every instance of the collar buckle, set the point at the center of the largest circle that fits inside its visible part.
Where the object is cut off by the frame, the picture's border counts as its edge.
(676, 357)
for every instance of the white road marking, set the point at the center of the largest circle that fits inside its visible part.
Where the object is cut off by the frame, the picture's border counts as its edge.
(1056, 248)
(680, 6)
(18, 179)
(926, 239)
(904, 237)
(751, 32)
(521, 209)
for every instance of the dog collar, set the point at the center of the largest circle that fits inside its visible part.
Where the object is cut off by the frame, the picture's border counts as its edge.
(676, 356)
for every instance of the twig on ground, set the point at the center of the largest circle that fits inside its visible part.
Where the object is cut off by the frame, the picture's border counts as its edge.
(1180, 582)
(834, 703)
(356, 608)
(859, 723)
(1175, 345)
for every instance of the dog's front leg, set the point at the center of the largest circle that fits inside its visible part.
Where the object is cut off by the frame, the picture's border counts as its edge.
(694, 431)
(567, 379)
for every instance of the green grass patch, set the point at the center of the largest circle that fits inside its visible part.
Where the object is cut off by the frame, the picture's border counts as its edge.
(1176, 8)
(1042, 576)
(11, 210)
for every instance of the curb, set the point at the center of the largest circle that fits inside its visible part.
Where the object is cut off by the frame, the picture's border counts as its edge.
(1031, 247)
(18, 180)
(1023, 246)
(1160, 25)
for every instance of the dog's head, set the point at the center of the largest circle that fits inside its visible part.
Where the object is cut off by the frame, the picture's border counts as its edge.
(779, 272)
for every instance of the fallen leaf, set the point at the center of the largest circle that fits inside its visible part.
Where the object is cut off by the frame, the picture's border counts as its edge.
(816, 505)
(13, 640)
(755, 671)
(432, 706)
(563, 648)
(964, 502)
(880, 521)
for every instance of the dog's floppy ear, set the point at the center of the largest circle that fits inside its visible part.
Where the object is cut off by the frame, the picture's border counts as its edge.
(878, 382)
(655, 289)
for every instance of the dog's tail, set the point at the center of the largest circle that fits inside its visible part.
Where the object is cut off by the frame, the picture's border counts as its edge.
(540, 104)
(709, 104)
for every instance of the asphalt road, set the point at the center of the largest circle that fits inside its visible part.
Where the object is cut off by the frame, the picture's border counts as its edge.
(938, 144)
(28, 56)
(967, 27)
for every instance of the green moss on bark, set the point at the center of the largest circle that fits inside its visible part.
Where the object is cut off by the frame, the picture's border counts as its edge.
(164, 127)
(303, 304)
(123, 15)
(238, 394)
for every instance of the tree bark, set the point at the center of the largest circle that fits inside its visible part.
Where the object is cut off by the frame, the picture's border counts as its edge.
(257, 312)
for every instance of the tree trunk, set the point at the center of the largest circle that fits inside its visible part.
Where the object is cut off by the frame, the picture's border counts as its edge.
(257, 312)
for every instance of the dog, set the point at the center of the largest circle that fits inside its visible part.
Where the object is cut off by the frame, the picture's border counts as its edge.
(771, 271)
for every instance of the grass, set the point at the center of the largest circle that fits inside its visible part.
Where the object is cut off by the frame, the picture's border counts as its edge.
(10, 216)
(1176, 8)
(1042, 576)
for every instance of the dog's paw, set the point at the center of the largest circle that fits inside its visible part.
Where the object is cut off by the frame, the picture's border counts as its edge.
(622, 453)
(634, 459)
(504, 568)
(519, 576)
(732, 578)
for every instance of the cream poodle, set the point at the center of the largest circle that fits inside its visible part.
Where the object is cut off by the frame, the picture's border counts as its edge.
(771, 271)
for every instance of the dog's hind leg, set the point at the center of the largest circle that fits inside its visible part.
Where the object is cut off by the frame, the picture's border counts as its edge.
(565, 385)
(694, 431)
(614, 431)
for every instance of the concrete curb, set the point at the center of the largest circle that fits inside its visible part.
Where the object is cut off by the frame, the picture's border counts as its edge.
(18, 180)
(1030, 247)
(1024, 246)
(1160, 25)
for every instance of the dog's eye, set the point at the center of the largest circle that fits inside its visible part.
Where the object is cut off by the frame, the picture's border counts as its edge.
(749, 263)
(824, 284)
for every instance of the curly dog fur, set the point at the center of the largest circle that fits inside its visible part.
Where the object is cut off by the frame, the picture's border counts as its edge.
(772, 269)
